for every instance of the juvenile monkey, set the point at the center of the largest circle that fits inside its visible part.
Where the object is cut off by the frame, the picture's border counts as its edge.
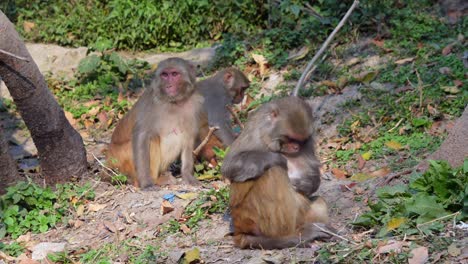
(266, 209)
(163, 125)
(226, 87)
(285, 127)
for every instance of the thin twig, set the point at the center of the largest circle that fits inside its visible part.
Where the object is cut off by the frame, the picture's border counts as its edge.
(440, 218)
(235, 116)
(324, 46)
(389, 177)
(104, 166)
(397, 124)
(205, 141)
(333, 234)
(13, 55)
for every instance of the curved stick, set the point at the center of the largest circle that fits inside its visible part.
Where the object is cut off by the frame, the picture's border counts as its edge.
(322, 49)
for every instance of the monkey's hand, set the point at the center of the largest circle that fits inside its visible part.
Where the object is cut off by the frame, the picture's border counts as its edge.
(250, 165)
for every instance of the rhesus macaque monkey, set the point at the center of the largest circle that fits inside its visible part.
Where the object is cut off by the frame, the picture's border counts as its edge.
(285, 127)
(163, 125)
(267, 210)
(226, 87)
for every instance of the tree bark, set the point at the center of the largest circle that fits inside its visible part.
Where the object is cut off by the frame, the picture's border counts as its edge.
(61, 151)
(8, 171)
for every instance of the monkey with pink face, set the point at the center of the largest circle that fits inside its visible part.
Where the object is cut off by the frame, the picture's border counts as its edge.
(162, 126)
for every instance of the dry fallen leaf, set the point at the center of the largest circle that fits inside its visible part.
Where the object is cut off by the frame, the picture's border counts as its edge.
(361, 162)
(420, 256)
(392, 245)
(458, 83)
(185, 229)
(94, 110)
(403, 61)
(296, 54)
(28, 26)
(69, 117)
(92, 207)
(166, 207)
(393, 145)
(453, 250)
(380, 172)
(261, 61)
(187, 196)
(80, 210)
(360, 177)
(447, 50)
(339, 173)
(445, 70)
(450, 89)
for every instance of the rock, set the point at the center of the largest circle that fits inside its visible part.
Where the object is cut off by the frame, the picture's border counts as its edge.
(453, 149)
(41, 250)
(62, 62)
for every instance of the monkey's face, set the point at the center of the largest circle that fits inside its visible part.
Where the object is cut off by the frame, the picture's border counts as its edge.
(175, 83)
(239, 92)
(171, 81)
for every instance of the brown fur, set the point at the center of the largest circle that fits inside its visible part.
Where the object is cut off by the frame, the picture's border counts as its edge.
(159, 128)
(224, 88)
(270, 208)
(277, 145)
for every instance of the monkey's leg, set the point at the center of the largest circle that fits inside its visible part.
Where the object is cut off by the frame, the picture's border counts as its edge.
(187, 163)
(155, 158)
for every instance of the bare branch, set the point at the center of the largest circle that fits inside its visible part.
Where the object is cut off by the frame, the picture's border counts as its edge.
(205, 141)
(13, 55)
(234, 115)
(301, 81)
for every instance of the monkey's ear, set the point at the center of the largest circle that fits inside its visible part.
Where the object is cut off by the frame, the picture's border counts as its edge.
(228, 78)
(274, 111)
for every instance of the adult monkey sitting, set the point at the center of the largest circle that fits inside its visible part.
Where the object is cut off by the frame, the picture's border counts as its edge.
(267, 210)
(221, 90)
(163, 125)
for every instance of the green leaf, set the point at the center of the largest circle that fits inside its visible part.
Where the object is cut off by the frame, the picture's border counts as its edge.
(419, 122)
(119, 62)
(89, 64)
(102, 45)
(426, 207)
(392, 191)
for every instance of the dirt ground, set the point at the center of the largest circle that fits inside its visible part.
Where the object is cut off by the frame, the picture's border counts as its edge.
(118, 214)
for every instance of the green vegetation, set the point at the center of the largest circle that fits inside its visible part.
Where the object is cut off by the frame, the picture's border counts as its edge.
(408, 209)
(208, 202)
(29, 207)
(421, 209)
(132, 250)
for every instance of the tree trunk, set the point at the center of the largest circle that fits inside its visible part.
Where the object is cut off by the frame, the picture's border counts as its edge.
(8, 171)
(61, 151)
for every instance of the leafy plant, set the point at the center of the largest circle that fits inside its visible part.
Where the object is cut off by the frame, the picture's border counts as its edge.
(28, 207)
(408, 209)
(13, 249)
(209, 202)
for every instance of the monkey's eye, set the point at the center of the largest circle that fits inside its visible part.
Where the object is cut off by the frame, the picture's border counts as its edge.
(164, 74)
(174, 74)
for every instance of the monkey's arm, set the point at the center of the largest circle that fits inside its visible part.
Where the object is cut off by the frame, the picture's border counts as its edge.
(250, 164)
(141, 157)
